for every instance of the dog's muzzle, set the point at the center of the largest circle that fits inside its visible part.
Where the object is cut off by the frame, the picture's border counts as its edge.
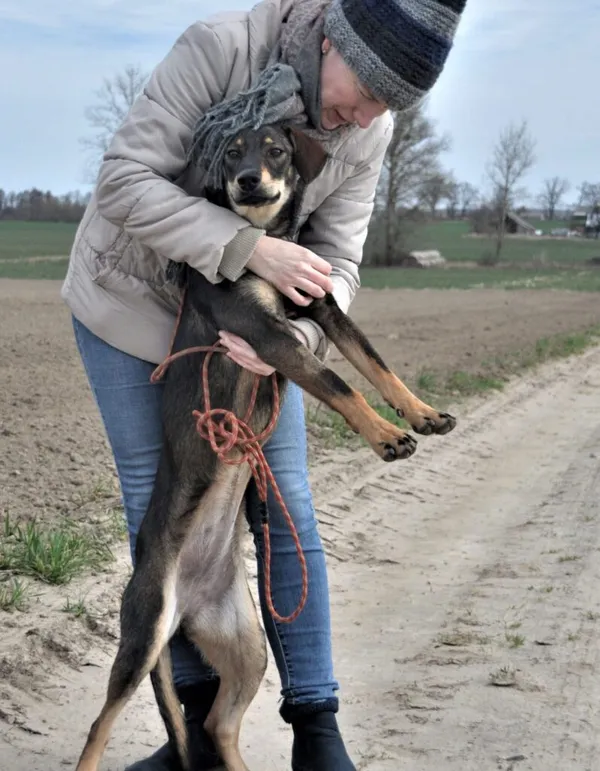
(251, 192)
(248, 181)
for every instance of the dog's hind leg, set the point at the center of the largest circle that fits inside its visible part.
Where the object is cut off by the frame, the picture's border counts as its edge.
(230, 636)
(168, 703)
(147, 619)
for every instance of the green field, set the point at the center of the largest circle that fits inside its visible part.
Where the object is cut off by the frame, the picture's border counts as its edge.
(580, 278)
(526, 262)
(35, 239)
(45, 269)
(453, 241)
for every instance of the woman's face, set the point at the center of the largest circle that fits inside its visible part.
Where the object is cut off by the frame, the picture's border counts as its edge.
(344, 100)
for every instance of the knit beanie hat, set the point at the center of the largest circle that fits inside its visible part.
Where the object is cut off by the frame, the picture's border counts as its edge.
(396, 48)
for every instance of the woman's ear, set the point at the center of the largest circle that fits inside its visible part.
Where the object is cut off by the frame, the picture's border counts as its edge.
(309, 155)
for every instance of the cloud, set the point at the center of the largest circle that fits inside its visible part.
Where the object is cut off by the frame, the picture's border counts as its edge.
(130, 16)
(515, 61)
(506, 25)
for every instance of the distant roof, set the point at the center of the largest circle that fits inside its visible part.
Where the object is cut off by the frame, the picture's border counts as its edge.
(520, 221)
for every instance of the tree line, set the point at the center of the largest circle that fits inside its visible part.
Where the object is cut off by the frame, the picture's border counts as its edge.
(413, 186)
(42, 206)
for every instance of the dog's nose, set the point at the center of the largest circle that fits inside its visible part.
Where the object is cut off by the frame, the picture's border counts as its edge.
(248, 181)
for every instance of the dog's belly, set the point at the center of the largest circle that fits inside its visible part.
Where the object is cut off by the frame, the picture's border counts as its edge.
(211, 558)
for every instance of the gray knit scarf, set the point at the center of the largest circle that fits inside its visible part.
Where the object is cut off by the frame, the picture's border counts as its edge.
(287, 90)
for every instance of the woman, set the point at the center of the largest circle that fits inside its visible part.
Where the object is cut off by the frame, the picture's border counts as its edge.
(335, 69)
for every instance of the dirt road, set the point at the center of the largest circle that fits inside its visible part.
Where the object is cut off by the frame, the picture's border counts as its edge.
(466, 606)
(53, 455)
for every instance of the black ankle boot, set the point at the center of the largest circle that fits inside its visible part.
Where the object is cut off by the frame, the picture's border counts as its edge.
(197, 702)
(318, 743)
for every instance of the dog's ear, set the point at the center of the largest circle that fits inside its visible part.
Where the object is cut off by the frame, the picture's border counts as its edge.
(309, 155)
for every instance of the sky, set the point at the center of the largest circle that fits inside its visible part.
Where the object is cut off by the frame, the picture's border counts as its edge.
(512, 60)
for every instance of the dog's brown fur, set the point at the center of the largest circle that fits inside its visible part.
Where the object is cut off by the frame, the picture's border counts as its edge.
(189, 569)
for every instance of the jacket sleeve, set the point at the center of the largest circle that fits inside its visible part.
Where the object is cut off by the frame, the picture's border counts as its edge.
(135, 187)
(337, 232)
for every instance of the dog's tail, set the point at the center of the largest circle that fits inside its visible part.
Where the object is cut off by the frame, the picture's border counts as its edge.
(169, 706)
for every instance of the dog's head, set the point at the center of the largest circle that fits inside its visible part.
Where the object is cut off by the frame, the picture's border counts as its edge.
(262, 177)
(264, 170)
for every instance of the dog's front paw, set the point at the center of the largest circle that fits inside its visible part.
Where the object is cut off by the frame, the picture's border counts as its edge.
(392, 443)
(425, 420)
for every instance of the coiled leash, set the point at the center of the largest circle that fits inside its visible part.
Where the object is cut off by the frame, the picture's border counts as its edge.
(226, 432)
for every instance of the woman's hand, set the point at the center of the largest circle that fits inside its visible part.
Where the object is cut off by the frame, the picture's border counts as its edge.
(290, 267)
(244, 354)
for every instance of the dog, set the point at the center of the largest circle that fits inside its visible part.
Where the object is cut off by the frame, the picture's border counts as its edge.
(189, 569)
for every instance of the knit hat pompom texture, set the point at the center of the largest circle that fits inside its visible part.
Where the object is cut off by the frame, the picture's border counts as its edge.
(397, 48)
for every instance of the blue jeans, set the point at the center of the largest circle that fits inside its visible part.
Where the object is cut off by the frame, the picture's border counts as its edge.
(130, 408)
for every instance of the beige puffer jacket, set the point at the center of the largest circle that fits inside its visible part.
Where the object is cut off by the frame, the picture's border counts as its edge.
(138, 217)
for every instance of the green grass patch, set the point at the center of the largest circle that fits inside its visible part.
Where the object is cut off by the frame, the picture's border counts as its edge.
(116, 525)
(76, 609)
(54, 270)
(55, 555)
(469, 384)
(452, 239)
(545, 349)
(442, 388)
(562, 346)
(14, 595)
(494, 373)
(35, 239)
(574, 279)
(427, 382)
(515, 640)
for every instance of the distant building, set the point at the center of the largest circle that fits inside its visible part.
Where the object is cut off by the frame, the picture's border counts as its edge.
(578, 220)
(516, 225)
(586, 222)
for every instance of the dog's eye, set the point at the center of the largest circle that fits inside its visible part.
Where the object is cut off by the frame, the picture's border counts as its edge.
(233, 154)
(275, 152)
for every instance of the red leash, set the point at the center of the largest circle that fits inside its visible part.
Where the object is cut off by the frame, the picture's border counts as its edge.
(226, 433)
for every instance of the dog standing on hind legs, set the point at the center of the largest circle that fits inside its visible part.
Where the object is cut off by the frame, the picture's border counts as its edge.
(189, 569)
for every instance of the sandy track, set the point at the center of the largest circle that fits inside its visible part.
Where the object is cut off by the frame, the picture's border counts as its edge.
(52, 446)
(485, 539)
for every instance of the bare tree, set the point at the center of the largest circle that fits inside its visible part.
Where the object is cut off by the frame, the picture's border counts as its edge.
(589, 194)
(468, 195)
(452, 196)
(512, 158)
(114, 100)
(552, 193)
(435, 188)
(411, 158)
